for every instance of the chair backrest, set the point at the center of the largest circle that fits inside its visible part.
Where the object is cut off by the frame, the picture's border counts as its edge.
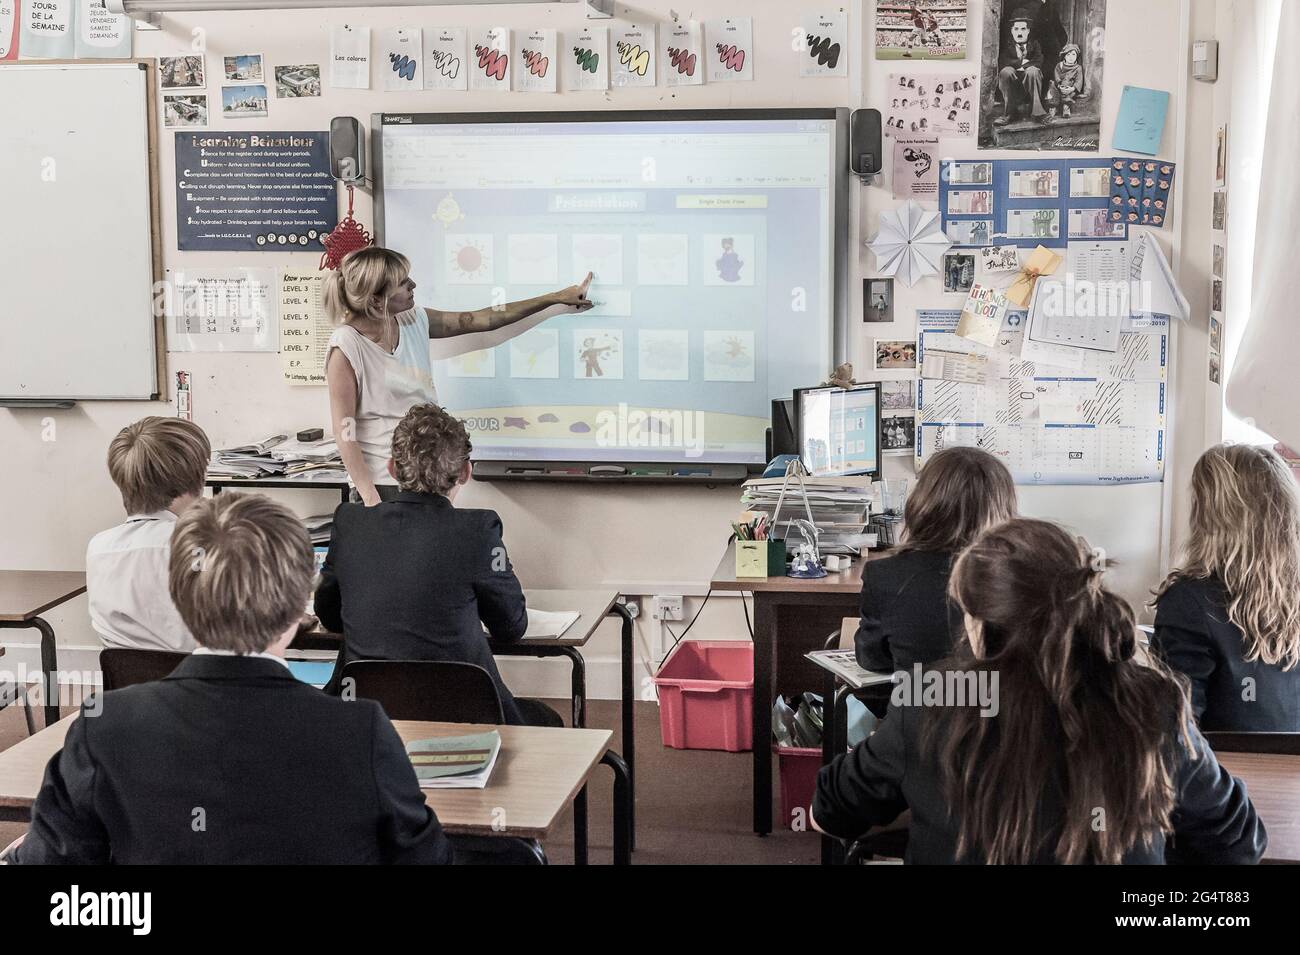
(1285, 744)
(428, 690)
(125, 667)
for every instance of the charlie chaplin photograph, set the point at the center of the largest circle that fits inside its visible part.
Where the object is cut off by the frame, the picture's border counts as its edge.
(1041, 74)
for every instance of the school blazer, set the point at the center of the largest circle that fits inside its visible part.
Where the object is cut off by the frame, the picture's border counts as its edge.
(231, 760)
(1195, 637)
(411, 579)
(1214, 821)
(906, 615)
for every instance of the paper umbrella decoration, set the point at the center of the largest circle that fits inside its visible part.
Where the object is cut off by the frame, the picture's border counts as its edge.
(910, 244)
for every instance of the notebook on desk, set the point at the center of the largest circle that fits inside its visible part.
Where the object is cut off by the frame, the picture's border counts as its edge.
(455, 762)
(548, 624)
(844, 664)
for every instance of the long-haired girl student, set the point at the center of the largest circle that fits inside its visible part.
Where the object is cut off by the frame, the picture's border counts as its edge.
(906, 615)
(1079, 754)
(1229, 617)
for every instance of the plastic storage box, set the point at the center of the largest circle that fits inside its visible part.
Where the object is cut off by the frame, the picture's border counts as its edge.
(706, 695)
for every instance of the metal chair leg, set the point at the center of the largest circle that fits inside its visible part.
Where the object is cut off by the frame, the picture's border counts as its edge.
(622, 808)
(629, 703)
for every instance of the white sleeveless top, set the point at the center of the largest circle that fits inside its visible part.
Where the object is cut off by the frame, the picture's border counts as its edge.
(388, 386)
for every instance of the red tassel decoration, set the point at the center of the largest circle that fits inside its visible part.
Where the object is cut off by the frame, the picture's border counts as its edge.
(348, 236)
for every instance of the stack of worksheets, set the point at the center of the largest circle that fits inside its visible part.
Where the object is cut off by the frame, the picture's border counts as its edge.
(278, 455)
(840, 507)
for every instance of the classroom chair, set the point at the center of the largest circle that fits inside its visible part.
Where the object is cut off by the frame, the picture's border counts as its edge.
(430, 691)
(124, 667)
(1282, 744)
(435, 691)
(887, 845)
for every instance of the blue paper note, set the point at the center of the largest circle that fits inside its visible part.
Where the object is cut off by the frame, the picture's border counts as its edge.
(1141, 122)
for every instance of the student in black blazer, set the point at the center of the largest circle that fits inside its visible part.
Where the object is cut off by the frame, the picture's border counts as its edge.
(410, 579)
(1229, 617)
(907, 617)
(230, 759)
(1047, 741)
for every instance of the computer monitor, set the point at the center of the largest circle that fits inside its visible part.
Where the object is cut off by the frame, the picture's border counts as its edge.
(782, 431)
(838, 429)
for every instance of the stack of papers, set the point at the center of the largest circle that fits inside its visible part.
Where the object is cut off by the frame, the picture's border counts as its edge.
(319, 526)
(841, 509)
(548, 624)
(455, 762)
(277, 455)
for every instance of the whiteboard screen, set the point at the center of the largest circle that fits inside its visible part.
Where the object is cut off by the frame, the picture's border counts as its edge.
(711, 236)
(76, 241)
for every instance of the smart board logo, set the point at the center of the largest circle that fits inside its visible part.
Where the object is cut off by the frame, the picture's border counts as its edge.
(77, 908)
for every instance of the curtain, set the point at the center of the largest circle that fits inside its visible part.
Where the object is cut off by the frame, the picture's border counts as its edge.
(1263, 385)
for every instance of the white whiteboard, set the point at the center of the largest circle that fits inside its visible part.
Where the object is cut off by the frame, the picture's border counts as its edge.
(76, 241)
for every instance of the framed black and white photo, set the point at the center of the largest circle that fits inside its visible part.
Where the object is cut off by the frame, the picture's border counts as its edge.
(877, 300)
(1041, 74)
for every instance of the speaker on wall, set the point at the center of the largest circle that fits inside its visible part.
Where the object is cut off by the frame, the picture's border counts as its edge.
(865, 146)
(347, 149)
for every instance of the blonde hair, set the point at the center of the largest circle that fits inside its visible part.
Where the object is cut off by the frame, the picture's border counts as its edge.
(363, 282)
(156, 460)
(1245, 530)
(241, 570)
(430, 448)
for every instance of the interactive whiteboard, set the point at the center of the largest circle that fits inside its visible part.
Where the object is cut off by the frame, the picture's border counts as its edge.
(719, 281)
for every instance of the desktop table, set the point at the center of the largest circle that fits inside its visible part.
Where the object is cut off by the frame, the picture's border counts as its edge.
(258, 484)
(593, 606)
(24, 596)
(1273, 784)
(540, 770)
(803, 613)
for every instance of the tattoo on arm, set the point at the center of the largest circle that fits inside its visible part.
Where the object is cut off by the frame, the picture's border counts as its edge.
(466, 321)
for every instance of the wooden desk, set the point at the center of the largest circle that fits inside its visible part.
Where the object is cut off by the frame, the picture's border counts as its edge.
(24, 596)
(804, 613)
(593, 606)
(1273, 784)
(540, 770)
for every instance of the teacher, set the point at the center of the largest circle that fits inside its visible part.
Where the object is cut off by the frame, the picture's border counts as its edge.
(378, 364)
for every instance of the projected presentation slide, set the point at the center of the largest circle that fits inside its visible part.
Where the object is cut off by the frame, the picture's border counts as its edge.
(711, 246)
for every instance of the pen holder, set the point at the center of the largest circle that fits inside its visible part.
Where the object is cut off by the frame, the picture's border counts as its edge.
(760, 558)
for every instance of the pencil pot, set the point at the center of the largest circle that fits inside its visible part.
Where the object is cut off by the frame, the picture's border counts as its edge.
(706, 695)
(760, 558)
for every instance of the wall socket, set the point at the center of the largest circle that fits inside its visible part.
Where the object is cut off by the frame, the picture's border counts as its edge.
(668, 608)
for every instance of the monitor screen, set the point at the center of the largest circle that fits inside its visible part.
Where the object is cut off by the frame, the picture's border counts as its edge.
(711, 236)
(839, 430)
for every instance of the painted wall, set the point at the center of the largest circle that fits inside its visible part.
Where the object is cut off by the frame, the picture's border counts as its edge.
(644, 541)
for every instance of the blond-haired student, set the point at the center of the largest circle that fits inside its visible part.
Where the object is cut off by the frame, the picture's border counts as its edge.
(158, 465)
(230, 759)
(1229, 616)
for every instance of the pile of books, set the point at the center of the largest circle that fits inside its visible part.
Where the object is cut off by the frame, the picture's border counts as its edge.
(278, 456)
(841, 509)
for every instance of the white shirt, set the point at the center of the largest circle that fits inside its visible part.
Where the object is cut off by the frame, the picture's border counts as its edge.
(209, 652)
(388, 385)
(126, 584)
